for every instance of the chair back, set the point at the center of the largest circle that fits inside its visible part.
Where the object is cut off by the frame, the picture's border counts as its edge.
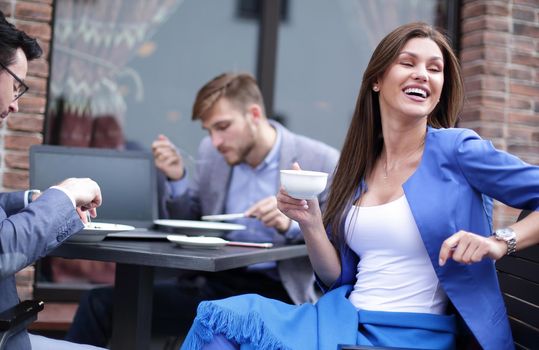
(17, 318)
(519, 281)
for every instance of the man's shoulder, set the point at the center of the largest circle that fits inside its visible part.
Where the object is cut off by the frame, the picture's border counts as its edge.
(309, 143)
(305, 143)
(309, 153)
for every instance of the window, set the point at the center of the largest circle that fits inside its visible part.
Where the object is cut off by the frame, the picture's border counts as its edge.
(124, 71)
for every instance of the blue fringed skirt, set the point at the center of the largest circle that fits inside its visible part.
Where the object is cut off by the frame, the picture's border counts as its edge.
(256, 322)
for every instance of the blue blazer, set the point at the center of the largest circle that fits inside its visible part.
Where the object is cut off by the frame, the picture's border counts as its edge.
(27, 234)
(447, 194)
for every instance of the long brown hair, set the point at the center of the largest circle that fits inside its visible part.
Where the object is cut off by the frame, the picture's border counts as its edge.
(364, 140)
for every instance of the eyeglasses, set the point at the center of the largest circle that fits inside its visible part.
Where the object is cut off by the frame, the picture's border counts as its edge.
(21, 88)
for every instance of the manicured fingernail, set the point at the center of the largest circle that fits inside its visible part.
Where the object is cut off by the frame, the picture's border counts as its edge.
(306, 206)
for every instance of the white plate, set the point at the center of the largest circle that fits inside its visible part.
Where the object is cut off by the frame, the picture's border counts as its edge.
(223, 217)
(97, 231)
(98, 227)
(200, 225)
(197, 242)
(212, 242)
(138, 235)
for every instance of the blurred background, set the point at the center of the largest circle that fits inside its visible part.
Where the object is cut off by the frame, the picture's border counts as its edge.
(116, 73)
(126, 71)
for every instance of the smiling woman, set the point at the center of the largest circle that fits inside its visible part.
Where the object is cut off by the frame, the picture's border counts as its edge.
(408, 91)
(396, 283)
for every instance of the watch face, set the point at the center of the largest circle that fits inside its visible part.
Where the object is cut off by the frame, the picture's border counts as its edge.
(505, 233)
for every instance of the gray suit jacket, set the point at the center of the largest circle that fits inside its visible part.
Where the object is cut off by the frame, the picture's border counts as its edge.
(207, 195)
(27, 234)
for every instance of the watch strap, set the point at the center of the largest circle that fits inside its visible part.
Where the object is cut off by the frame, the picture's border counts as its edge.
(509, 236)
(511, 246)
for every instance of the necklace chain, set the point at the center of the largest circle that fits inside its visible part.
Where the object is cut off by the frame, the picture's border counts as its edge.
(385, 175)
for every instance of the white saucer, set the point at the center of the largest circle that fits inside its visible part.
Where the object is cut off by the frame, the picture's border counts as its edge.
(197, 242)
(97, 231)
(96, 227)
(201, 225)
(223, 217)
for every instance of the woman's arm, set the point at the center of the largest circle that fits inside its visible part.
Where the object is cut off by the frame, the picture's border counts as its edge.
(527, 230)
(323, 256)
(467, 247)
(498, 175)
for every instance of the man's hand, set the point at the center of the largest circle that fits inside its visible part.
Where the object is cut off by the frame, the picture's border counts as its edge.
(466, 247)
(35, 195)
(266, 211)
(167, 159)
(86, 193)
(306, 213)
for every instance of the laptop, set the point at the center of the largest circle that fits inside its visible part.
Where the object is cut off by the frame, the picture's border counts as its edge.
(127, 179)
(128, 182)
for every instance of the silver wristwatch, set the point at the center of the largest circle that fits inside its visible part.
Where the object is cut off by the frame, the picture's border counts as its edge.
(509, 236)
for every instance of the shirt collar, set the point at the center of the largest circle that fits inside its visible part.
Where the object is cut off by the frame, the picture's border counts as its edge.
(273, 156)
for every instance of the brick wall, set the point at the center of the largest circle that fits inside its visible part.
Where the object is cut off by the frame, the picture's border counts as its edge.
(499, 44)
(25, 128)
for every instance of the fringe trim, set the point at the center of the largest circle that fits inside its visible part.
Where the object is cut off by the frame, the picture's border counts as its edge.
(245, 329)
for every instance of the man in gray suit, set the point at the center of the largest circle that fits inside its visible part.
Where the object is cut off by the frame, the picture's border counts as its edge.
(237, 172)
(33, 223)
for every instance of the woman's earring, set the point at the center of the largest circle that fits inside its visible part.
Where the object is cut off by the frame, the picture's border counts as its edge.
(375, 88)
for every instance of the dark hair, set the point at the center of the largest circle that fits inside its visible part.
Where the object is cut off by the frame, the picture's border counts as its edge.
(364, 141)
(12, 39)
(240, 89)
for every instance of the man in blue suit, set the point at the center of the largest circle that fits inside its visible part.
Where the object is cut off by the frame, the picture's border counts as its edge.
(32, 223)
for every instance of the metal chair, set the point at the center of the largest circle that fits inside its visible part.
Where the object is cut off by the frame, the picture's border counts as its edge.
(518, 275)
(17, 318)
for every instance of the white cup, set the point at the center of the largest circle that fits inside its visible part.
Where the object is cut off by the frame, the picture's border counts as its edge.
(303, 184)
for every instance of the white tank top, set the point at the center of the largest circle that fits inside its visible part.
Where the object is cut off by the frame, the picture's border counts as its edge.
(394, 272)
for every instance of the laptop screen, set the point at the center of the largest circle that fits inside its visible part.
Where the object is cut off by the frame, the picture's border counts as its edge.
(127, 179)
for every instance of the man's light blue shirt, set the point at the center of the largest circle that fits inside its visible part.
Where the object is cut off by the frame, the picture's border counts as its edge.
(247, 186)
